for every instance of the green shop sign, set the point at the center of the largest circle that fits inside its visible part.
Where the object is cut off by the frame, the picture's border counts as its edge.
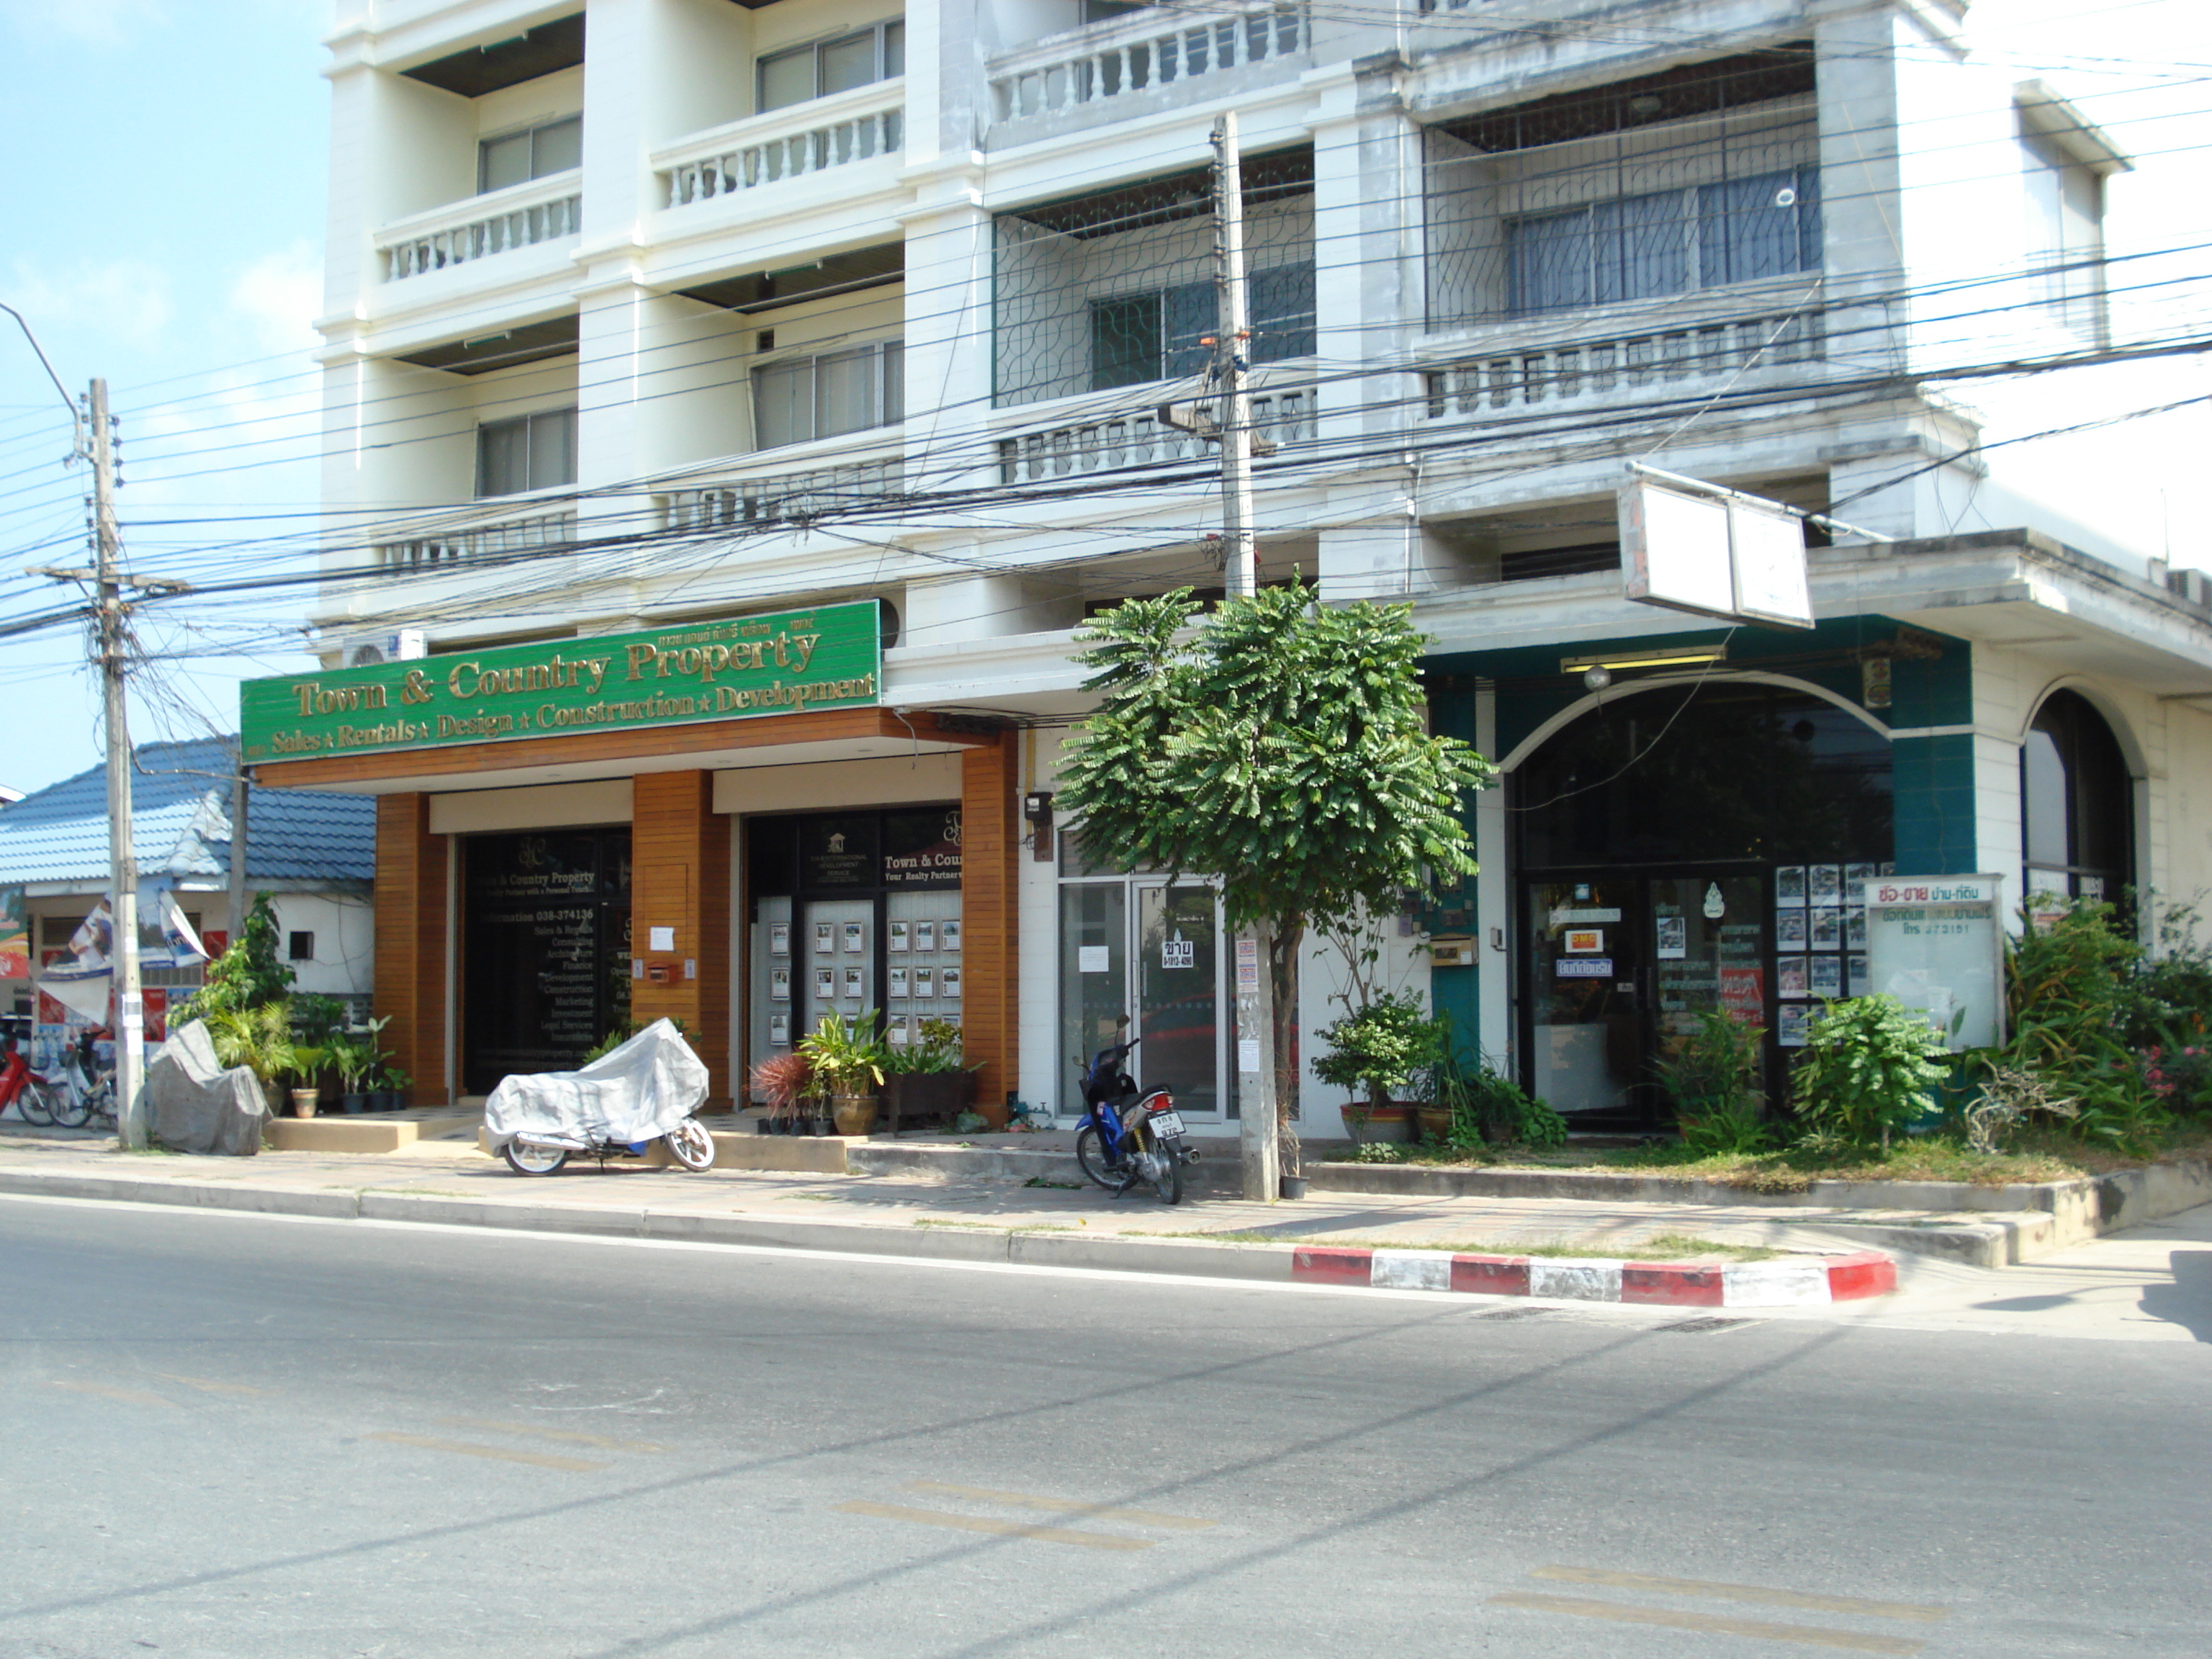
(783, 664)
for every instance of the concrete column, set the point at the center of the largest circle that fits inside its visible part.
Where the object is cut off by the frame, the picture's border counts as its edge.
(680, 881)
(409, 971)
(990, 844)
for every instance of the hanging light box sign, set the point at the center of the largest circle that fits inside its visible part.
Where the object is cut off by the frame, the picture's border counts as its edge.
(1713, 557)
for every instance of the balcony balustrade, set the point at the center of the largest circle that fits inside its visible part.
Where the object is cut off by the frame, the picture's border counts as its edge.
(784, 498)
(1137, 437)
(458, 541)
(1143, 54)
(543, 210)
(1527, 376)
(785, 144)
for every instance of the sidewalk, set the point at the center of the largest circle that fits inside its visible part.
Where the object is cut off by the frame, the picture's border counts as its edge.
(1388, 1240)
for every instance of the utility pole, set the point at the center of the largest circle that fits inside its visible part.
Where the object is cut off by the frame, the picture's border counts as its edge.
(122, 860)
(1259, 1137)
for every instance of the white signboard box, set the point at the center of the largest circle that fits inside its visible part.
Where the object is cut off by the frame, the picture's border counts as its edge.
(1714, 557)
(1936, 943)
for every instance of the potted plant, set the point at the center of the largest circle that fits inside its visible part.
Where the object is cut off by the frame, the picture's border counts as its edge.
(1381, 1046)
(389, 1092)
(353, 1056)
(259, 1038)
(848, 1061)
(308, 1061)
(783, 1081)
(1711, 1072)
(928, 1079)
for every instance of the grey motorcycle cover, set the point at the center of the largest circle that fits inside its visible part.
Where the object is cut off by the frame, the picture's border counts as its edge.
(643, 1089)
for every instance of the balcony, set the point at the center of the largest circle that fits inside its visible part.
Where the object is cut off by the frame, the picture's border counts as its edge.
(543, 210)
(481, 535)
(1121, 440)
(778, 498)
(1147, 52)
(806, 138)
(1526, 371)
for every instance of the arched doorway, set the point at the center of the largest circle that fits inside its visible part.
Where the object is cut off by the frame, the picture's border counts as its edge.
(2076, 803)
(1679, 850)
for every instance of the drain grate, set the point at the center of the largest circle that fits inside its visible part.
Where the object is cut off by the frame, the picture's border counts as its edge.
(1705, 1323)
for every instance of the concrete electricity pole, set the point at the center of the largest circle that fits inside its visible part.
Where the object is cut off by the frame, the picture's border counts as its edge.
(1259, 1140)
(122, 860)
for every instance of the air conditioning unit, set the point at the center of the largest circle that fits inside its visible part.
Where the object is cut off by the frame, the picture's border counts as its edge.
(2194, 585)
(406, 643)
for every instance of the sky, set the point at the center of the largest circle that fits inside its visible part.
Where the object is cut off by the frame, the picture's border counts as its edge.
(162, 170)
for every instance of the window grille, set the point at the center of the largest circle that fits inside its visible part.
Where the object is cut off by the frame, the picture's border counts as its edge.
(1116, 288)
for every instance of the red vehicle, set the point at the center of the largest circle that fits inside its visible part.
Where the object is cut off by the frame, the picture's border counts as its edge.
(33, 1097)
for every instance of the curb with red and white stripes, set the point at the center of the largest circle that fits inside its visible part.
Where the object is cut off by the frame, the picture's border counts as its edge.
(1783, 1282)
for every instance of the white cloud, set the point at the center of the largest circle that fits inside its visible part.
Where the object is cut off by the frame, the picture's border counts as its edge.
(100, 22)
(279, 295)
(126, 300)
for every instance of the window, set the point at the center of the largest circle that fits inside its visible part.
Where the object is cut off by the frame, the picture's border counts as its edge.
(2065, 231)
(2076, 801)
(838, 64)
(532, 452)
(1137, 337)
(1673, 241)
(299, 947)
(807, 397)
(538, 152)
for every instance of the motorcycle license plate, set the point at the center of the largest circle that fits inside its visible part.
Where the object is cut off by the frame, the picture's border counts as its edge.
(1166, 1124)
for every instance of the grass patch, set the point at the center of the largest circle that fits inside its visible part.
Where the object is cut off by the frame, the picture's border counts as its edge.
(992, 1226)
(2034, 1157)
(1663, 1247)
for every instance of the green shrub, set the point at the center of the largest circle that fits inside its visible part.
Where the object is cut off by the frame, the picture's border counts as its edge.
(1867, 1070)
(1711, 1074)
(1381, 1046)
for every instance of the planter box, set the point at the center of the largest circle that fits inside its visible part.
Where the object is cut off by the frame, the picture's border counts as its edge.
(913, 1098)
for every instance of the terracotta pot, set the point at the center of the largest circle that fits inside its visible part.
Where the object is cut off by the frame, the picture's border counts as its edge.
(304, 1102)
(855, 1114)
(1435, 1122)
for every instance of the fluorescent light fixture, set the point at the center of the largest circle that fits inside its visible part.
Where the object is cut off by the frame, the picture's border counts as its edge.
(1670, 656)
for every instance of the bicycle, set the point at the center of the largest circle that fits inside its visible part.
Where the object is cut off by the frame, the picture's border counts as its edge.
(87, 1095)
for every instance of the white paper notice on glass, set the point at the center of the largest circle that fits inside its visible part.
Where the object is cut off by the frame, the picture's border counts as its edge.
(1248, 1055)
(663, 938)
(1093, 959)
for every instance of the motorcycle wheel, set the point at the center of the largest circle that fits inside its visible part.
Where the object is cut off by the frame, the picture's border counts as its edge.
(37, 1101)
(1167, 1184)
(533, 1160)
(65, 1108)
(1091, 1154)
(691, 1144)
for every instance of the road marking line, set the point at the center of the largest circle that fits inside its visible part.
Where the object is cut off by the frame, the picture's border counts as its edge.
(543, 1460)
(1671, 1619)
(209, 1385)
(573, 1437)
(1065, 1506)
(109, 1391)
(1095, 1540)
(1774, 1598)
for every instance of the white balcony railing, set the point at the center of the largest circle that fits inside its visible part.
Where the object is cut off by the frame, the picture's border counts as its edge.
(461, 541)
(788, 498)
(1143, 54)
(543, 210)
(786, 143)
(1521, 377)
(1136, 437)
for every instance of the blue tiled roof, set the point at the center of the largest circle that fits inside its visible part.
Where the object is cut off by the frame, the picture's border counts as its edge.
(181, 825)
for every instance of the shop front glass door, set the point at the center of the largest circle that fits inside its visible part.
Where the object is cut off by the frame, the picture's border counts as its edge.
(1179, 994)
(1586, 1018)
(1709, 951)
(838, 938)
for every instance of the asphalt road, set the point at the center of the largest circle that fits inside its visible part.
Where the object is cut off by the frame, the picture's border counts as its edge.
(228, 1435)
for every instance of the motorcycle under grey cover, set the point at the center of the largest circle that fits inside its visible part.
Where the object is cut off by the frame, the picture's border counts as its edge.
(642, 1090)
(193, 1105)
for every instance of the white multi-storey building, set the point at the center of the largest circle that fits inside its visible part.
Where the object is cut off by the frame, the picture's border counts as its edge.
(646, 317)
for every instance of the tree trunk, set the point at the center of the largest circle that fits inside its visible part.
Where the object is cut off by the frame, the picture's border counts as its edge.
(1283, 981)
(1257, 1141)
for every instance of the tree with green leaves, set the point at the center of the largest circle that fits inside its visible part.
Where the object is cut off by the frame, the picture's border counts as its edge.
(1281, 744)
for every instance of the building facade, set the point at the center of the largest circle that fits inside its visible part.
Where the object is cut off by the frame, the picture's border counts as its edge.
(653, 321)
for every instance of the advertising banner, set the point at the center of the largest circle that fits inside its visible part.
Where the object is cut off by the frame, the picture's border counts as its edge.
(782, 664)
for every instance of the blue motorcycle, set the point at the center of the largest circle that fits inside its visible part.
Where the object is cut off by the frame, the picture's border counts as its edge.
(1129, 1136)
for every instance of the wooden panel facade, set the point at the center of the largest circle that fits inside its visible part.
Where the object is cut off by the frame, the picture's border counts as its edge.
(410, 941)
(990, 843)
(680, 880)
